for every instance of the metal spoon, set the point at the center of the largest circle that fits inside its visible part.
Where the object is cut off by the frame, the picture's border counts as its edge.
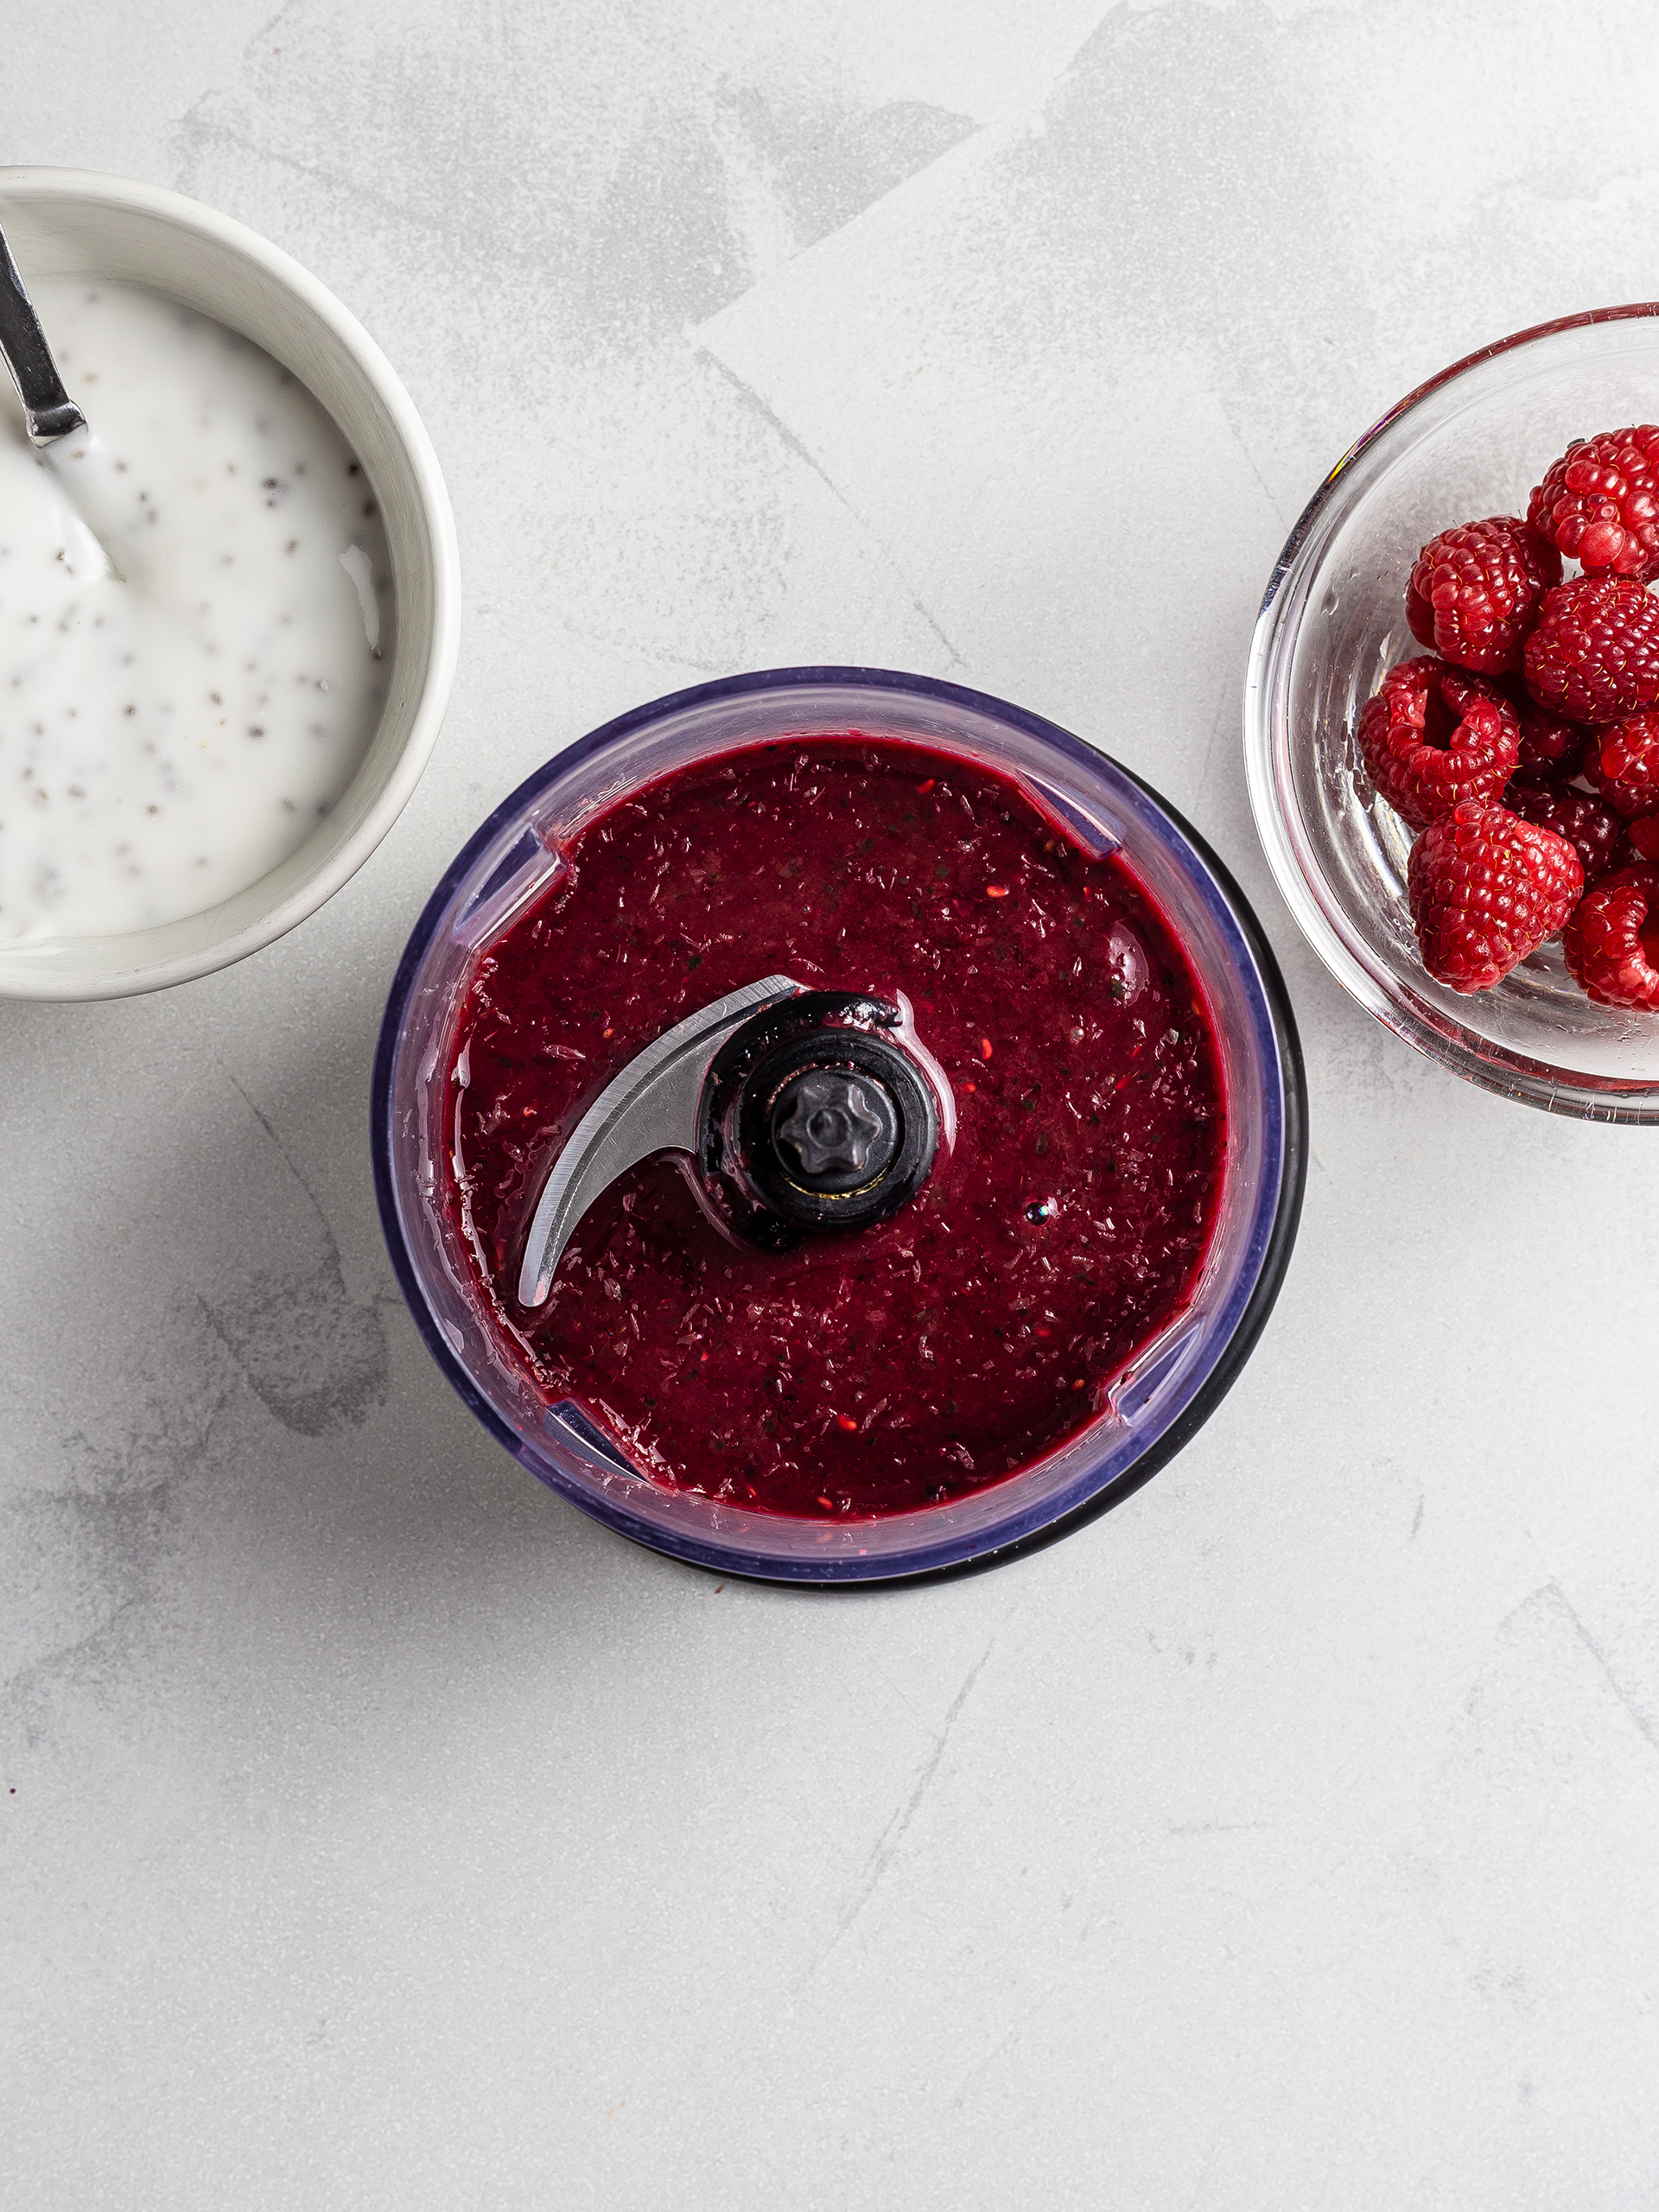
(101, 540)
(47, 409)
(652, 1106)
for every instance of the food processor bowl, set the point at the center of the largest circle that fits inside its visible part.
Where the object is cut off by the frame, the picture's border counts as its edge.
(1172, 1383)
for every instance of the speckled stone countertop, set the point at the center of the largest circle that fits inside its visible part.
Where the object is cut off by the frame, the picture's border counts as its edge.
(377, 1831)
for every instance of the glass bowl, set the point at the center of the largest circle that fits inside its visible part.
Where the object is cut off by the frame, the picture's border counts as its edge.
(1172, 1385)
(1471, 441)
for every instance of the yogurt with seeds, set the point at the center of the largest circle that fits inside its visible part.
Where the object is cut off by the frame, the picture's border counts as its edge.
(195, 611)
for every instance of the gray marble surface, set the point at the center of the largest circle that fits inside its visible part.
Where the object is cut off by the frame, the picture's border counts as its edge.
(379, 1832)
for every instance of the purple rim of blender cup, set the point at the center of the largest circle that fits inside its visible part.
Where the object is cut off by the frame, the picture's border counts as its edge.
(1100, 1483)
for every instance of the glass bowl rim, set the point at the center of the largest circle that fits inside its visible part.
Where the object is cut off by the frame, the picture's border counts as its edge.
(1278, 1207)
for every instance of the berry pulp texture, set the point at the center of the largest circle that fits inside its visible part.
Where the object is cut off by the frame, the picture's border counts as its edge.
(914, 1361)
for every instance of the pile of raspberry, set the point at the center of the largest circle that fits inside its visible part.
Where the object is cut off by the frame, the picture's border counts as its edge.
(1524, 746)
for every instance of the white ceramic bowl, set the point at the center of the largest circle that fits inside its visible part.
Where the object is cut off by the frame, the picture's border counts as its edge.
(75, 223)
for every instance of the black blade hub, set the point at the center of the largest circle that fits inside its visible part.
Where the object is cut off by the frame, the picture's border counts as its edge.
(816, 1119)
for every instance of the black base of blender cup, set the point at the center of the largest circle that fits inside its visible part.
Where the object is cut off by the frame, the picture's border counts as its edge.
(1228, 1368)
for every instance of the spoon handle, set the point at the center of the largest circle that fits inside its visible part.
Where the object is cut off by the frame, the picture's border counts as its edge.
(48, 408)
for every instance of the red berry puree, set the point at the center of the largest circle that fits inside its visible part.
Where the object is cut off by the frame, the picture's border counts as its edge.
(911, 1362)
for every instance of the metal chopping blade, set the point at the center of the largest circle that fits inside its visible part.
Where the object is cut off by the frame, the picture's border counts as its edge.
(650, 1107)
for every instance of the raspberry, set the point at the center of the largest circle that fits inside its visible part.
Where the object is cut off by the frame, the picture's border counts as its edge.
(1643, 834)
(1486, 889)
(1599, 503)
(1594, 654)
(1596, 833)
(1610, 946)
(1550, 747)
(1474, 591)
(1622, 763)
(1433, 736)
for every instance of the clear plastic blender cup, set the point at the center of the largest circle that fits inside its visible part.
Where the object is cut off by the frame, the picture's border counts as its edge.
(1152, 1408)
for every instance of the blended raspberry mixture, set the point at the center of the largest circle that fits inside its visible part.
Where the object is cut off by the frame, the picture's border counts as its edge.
(905, 1363)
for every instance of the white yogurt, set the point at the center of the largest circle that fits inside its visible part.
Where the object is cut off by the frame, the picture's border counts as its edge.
(170, 733)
